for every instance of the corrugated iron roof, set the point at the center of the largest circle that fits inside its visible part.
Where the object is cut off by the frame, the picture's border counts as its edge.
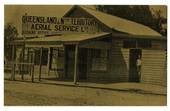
(120, 24)
(68, 38)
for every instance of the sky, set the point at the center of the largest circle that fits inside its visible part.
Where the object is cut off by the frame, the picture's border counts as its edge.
(162, 8)
(13, 13)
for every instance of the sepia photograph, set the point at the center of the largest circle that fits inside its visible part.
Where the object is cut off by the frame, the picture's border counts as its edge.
(85, 55)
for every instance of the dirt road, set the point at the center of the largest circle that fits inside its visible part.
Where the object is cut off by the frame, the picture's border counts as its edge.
(23, 93)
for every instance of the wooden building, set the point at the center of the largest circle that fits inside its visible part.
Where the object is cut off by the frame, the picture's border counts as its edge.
(107, 54)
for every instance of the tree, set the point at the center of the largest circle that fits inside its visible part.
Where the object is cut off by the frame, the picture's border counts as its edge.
(10, 33)
(138, 13)
(160, 21)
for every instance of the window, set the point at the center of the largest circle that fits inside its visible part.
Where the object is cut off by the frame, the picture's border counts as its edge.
(99, 60)
(140, 43)
(60, 52)
(44, 56)
(129, 43)
(144, 43)
(57, 58)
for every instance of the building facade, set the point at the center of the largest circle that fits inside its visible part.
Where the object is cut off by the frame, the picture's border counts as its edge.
(107, 52)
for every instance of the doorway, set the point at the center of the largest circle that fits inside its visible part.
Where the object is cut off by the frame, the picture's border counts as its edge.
(133, 72)
(70, 56)
(82, 64)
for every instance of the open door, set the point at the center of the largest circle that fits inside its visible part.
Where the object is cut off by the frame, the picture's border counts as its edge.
(133, 72)
(82, 64)
(70, 56)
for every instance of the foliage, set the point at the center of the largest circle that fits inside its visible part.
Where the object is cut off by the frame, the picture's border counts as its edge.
(138, 13)
(10, 32)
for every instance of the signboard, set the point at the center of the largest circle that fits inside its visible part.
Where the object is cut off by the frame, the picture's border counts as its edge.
(40, 25)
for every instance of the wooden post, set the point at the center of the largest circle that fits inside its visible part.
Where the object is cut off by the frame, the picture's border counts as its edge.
(75, 64)
(13, 63)
(22, 74)
(22, 67)
(136, 43)
(32, 75)
(65, 61)
(48, 64)
(40, 63)
(29, 61)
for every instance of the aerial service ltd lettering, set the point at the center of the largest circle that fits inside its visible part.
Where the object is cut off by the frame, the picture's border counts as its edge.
(49, 25)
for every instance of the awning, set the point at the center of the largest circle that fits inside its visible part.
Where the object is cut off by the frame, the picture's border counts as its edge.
(64, 39)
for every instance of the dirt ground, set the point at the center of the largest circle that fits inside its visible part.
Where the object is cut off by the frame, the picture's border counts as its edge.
(31, 94)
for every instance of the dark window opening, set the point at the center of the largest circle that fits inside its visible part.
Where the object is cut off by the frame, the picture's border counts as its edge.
(141, 43)
(144, 44)
(44, 57)
(129, 44)
(60, 52)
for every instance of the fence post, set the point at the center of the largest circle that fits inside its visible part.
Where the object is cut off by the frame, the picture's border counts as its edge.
(22, 66)
(22, 74)
(13, 63)
(32, 76)
(48, 64)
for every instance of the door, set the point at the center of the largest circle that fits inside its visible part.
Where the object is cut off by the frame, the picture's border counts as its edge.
(82, 63)
(70, 56)
(133, 72)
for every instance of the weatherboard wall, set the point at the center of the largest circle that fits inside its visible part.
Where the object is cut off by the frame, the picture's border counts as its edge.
(154, 67)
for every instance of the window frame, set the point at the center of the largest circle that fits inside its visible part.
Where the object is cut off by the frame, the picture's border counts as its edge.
(140, 45)
(56, 56)
(137, 43)
(97, 57)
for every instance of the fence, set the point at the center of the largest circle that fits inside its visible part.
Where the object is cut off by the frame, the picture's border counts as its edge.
(22, 69)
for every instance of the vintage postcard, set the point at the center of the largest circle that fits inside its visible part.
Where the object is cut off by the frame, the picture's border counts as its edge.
(85, 55)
